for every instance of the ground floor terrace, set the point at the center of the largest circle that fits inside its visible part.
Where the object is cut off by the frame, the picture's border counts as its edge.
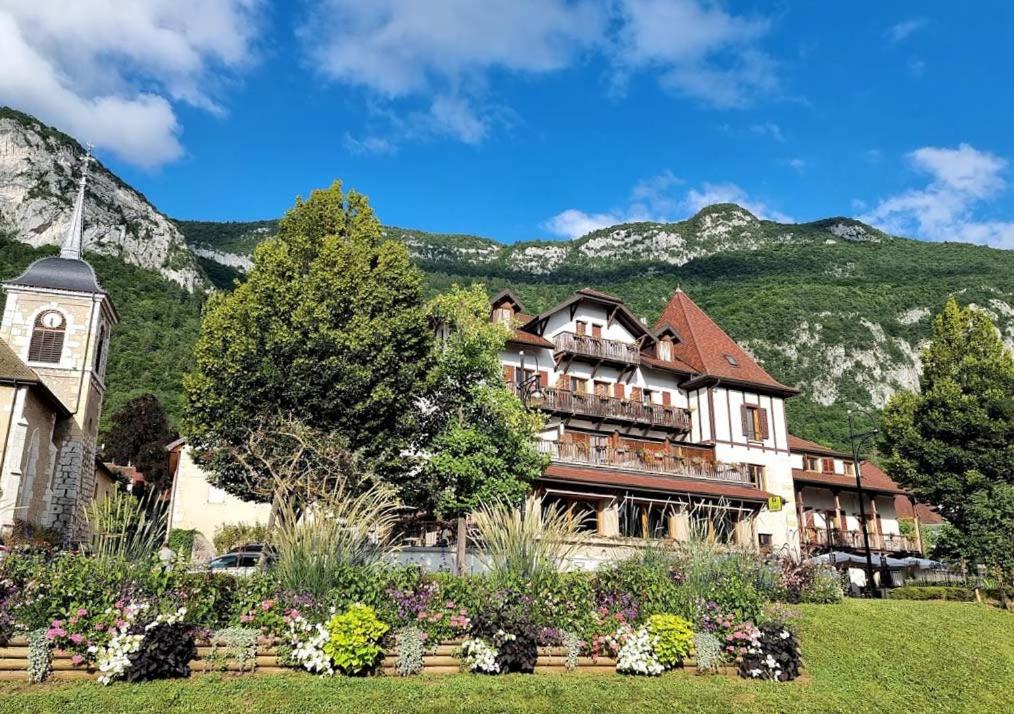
(860, 656)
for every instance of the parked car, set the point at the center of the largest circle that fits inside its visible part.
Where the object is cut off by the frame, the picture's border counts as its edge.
(236, 563)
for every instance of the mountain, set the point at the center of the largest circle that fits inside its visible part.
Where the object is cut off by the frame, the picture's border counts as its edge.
(835, 306)
(39, 170)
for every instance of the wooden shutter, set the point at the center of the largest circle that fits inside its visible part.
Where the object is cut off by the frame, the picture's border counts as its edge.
(827, 466)
(597, 332)
(635, 394)
(581, 327)
(563, 381)
(744, 411)
(666, 399)
(618, 390)
(543, 379)
(508, 373)
(763, 423)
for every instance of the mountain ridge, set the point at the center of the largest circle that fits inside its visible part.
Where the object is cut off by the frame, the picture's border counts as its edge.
(834, 307)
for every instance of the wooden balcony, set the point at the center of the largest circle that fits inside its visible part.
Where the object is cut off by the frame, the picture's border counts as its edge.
(853, 540)
(657, 416)
(653, 462)
(597, 348)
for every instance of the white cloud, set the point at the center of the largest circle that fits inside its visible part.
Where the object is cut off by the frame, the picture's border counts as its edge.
(901, 31)
(769, 129)
(697, 48)
(796, 164)
(960, 180)
(107, 72)
(433, 60)
(654, 199)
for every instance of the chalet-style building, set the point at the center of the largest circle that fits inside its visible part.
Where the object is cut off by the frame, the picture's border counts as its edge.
(660, 431)
(827, 503)
(54, 339)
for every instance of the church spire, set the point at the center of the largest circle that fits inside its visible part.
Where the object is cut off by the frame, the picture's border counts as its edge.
(72, 242)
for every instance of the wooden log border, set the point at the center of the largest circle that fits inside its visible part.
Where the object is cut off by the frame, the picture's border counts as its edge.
(437, 661)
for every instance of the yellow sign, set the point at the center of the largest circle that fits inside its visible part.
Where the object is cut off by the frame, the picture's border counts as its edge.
(774, 503)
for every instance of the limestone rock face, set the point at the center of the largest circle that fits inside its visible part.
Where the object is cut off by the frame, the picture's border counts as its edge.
(39, 170)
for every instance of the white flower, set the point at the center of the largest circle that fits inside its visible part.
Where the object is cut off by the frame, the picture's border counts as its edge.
(637, 655)
(480, 656)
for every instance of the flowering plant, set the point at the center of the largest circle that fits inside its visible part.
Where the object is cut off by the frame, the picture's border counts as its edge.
(425, 607)
(637, 655)
(307, 642)
(477, 655)
(774, 654)
(118, 655)
(739, 641)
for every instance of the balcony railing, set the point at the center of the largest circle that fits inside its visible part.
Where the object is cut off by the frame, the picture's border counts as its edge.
(597, 348)
(834, 538)
(599, 406)
(644, 460)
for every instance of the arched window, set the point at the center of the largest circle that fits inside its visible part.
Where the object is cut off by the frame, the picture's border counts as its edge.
(100, 350)
(47, 337)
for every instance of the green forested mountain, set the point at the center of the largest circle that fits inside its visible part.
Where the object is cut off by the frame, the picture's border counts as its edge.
(834, 307)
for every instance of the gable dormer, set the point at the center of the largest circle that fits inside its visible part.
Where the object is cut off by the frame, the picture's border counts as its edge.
(505, 307)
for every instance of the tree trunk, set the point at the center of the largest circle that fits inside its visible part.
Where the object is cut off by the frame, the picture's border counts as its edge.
(462, 546)
(262, 562)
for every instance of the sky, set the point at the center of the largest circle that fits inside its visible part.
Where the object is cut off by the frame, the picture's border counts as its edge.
(525, 119)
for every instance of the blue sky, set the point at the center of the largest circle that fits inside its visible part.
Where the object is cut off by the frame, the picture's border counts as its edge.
(538, 118)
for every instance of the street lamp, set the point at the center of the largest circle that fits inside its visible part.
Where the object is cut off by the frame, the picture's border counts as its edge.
(528, 386)
(857, 441)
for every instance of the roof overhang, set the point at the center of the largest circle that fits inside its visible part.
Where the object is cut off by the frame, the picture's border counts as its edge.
(707, 380)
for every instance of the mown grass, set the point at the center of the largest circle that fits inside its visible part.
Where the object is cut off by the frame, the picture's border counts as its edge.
(880, 656)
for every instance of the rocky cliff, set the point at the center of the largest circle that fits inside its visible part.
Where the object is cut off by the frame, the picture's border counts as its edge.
(39, 170)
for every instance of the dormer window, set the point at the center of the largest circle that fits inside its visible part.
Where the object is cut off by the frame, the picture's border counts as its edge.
(47, 337)
(731, 360)
(504, 314)
(664, 347)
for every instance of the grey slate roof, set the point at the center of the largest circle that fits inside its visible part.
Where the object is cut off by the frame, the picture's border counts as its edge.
(60, 274)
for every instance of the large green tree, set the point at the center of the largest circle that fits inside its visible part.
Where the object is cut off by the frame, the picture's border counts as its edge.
(138, 435)
(330, 329)
(479, 438)
(952, 443)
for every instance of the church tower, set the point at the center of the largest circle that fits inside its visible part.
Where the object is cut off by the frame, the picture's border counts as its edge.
(57, 319)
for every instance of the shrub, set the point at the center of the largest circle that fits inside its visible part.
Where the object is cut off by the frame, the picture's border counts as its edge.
(572, 645)
(507, 624)
(931, 592)
(477, 655)
(8, 601)
(671, 638)
(411, 647)
(40, 656)
(125, 528)
(354, 639)
(182, 542)
(33, 536)
(772, 654)
(165, 653)
(235, 645)
(823, 587)
(232, 535)
(709, 652)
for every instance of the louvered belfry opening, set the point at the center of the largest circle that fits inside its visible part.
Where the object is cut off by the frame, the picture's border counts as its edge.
(47, 338)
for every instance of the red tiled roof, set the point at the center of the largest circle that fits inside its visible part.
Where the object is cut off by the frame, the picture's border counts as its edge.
(646, 482)
(705, 345)
(812, 447)
(927, 514)
(674, 365)
(873, 479)
(528, 338)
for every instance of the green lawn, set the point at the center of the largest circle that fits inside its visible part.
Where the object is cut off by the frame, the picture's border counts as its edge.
(880, 656)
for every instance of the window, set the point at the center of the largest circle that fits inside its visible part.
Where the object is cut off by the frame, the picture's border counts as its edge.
(731, 360)
(504, 314)
(47, 338)
(581, 327)
(810, 463)
(648, 396)
(579, 385)
(756, 472)
(215, 495)
(827, 466)
(601, 388)
(100, 350)
(597, 332)
(755, 423)
(583, 515)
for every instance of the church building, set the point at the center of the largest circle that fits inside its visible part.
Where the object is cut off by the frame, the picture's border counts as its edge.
(54, 339)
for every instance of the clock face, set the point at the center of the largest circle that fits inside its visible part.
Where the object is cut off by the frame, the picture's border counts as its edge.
(52, 320)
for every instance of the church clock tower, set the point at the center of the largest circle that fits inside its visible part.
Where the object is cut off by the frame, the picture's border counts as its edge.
(58, 319)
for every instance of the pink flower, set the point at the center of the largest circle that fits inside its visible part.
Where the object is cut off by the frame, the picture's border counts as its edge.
(77, 638)
(73, 620)
(82, 612)
(77, 660)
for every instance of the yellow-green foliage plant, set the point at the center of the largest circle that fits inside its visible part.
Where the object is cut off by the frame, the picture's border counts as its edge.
(354, 642)
(672, 638)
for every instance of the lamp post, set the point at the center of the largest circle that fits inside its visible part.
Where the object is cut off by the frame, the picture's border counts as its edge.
(857, 440)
